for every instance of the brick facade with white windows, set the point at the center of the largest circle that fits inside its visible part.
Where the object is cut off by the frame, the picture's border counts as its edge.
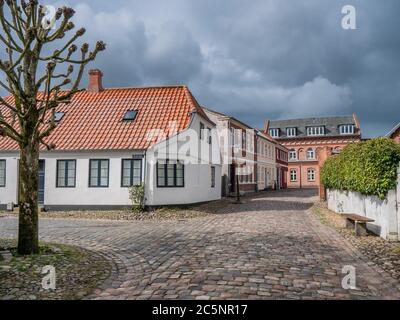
(306, 138)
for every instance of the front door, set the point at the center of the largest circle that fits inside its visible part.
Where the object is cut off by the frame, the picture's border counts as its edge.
(278, 178)
(41, 182)
(232, 178)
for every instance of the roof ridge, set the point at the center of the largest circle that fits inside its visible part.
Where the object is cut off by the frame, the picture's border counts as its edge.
(146, 87)
(122, 88)
(229, 117)
(309, 118)
(196, 105)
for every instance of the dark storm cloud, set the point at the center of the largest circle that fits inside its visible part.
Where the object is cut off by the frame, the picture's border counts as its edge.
(256, 59)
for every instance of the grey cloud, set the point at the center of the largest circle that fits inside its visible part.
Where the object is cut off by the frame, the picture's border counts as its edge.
(256, 59)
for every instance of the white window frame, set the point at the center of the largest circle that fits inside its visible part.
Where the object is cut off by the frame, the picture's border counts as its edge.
(291, 132)
(293, 175)
(291, 153)
(274, 133)
(311, 154)
(316, 131)
(311, 175)
(347, 129)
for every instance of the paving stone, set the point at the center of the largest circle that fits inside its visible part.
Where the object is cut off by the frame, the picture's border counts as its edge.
(270, 247)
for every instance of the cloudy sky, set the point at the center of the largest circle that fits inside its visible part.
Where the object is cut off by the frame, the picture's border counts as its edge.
(256, 59)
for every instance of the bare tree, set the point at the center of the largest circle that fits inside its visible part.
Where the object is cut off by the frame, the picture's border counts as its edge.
(36, 89)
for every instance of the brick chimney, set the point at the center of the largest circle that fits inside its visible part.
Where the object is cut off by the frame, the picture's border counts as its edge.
(266, 127)
(95, 81)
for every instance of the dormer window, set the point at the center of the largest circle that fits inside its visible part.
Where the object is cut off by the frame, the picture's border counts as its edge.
(274, 133)
(130, 115)
(346, 129)
(58, 116)
(291, 132)
(316, 131)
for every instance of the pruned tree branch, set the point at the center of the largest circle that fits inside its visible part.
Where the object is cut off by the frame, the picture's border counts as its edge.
(25, 34)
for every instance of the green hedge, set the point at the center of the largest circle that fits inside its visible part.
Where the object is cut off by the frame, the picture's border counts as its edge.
(368, 167)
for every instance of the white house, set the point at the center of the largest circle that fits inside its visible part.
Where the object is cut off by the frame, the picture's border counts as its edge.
(110, 139)
(247, 153)
(266, 161)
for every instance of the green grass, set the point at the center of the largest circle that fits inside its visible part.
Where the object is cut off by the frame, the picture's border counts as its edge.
(321, 216)
(396, 250)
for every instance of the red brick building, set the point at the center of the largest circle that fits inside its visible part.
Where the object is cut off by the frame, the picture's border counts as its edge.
(395, 133)
(281, 166)
(306, 138)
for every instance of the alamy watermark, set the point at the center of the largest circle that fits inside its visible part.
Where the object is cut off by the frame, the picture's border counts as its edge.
(349, 280)
(49, 18)
(349, 20)
(209, 146)
(49, 280)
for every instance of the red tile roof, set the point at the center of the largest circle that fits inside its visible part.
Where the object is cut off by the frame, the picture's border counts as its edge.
(93, 121)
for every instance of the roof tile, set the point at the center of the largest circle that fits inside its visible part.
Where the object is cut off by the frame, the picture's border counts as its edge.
(94, 121)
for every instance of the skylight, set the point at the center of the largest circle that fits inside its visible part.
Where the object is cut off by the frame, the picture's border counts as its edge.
(58, 116)
(130, 115)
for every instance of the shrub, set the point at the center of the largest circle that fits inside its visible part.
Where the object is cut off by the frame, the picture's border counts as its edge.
(368, 167)
(137, 197)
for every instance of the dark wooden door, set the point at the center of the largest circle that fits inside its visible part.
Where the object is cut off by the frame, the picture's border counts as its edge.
(232, 178)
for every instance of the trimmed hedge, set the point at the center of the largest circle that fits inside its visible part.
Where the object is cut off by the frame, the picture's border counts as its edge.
(368, 167)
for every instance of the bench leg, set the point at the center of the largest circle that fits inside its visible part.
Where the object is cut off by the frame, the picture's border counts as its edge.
(349, 224)
(361, 229)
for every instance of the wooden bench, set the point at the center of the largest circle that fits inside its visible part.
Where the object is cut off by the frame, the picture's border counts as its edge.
(359, 223)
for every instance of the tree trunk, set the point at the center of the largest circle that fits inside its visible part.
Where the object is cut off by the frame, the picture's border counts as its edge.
(28, 235)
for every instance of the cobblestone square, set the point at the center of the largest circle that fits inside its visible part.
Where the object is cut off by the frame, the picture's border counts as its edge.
(269, 247)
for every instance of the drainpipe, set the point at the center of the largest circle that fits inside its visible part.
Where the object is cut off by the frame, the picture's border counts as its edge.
(301, 177)
(145, 176)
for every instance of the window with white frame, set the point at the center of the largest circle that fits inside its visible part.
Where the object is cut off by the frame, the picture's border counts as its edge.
(274, 133)
(316, 131)
(310, 154)
(292, 155)
(346, 129)
(291, 132)
(2, 173)
(212, 177)
(311, 175)
(293, 175)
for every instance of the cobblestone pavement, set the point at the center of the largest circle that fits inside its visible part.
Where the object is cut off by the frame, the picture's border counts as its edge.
(270, 247)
